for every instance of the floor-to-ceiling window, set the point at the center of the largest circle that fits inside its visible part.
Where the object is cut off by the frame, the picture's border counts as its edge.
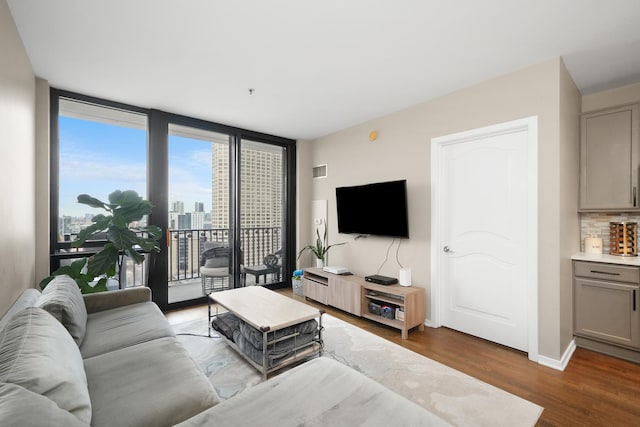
(212, 186)
(100, 148)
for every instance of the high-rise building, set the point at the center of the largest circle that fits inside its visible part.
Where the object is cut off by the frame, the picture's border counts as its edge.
(178, 207)
(184, 221)
(197, 220)
(260, 186)
(220, 186)
(199, 207)
(173, 220)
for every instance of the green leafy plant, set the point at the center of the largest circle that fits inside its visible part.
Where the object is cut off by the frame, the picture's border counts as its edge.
(321, 247)
(123, 239)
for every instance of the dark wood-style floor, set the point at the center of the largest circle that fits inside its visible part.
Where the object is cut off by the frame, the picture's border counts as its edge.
(594, 390)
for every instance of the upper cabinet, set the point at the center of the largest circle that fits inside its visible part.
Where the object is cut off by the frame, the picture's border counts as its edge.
(609, 160)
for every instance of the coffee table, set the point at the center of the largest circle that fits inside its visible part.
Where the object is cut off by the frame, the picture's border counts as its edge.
(268, 311)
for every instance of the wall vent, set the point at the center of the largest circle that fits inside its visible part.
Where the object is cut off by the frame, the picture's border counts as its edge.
(320, 171)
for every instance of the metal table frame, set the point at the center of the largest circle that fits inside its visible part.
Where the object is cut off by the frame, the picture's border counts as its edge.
(302, 352)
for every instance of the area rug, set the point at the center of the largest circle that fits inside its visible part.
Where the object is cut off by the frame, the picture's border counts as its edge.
(455, 397)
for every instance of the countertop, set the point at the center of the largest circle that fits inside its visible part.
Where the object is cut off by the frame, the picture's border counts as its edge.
(606, 258)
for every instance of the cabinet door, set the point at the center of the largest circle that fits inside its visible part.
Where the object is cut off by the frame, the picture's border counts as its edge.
(315, 291)
(609, 159)
(345, 295)
(607, 311)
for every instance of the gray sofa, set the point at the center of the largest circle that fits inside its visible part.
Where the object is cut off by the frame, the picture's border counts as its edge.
(112, 359)
(104, 359)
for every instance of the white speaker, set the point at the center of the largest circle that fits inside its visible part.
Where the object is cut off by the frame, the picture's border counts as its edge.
(405, 277)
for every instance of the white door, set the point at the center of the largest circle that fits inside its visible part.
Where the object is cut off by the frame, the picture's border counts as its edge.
(484, 244)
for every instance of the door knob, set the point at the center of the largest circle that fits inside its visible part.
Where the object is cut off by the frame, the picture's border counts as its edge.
(446, 249)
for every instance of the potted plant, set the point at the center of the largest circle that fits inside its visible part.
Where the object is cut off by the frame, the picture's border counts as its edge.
(321, 248)
(123, 239)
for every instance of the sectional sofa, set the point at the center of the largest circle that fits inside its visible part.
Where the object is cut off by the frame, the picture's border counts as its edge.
(112, 359)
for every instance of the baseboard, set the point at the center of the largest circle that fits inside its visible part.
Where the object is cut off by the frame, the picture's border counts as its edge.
(609, 349)
(561, 364)
(428, 323)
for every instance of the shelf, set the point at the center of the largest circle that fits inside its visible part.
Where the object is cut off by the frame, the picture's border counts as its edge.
(398, 324)
(316, 278)
(399, 301)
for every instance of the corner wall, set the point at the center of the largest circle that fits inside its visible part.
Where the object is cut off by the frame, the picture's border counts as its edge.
(402, 151)
(570, 106)
(17, 151)
(42, 176)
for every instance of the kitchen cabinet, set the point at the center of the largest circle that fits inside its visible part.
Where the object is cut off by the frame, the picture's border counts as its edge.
(609, 160)
(606, 303)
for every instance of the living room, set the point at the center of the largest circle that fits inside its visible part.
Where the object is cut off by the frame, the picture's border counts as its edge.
(542, 87)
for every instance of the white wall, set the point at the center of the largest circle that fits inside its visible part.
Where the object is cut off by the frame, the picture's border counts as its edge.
(402, 151)
(17, 152)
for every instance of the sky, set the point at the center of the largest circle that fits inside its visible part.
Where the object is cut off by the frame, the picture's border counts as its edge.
(98, 158)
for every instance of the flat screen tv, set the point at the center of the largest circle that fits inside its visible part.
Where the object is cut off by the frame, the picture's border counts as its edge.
(378, 209)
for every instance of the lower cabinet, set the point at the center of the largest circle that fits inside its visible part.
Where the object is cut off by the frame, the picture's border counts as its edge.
(316, 289)
(607, 311)
(345, 295)
(606, 303)
(355, 295)
(342, 292)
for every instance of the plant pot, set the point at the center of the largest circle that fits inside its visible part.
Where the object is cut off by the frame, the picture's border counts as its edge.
(319, 262)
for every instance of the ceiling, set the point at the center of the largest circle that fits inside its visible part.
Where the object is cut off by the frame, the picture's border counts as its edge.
(316, 67)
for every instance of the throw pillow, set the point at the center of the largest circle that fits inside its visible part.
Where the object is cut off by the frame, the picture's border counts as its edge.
(37, 353)
(63, 299)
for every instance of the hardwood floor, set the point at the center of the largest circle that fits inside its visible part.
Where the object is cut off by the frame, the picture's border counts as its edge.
(594, 390)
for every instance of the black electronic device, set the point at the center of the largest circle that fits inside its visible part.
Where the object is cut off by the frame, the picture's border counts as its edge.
(378, 209)
(381, 280)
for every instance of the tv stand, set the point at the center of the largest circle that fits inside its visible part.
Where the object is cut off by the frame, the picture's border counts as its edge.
(353, 294)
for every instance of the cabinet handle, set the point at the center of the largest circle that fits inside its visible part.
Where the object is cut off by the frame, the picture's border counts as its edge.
(634, 300)
(634, 197)
(605, 272)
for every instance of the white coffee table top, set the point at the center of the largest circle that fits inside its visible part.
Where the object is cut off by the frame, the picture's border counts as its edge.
(263, 308)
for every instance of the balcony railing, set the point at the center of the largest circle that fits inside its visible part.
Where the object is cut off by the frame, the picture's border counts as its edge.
(187, 246)
(185, 249)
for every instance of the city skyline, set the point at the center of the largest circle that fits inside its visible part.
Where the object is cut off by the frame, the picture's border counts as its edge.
(99, 158)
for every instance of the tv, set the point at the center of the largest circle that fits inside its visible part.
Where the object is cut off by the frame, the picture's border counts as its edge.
(378, 209)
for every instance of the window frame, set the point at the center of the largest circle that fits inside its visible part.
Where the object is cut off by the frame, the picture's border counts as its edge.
(157, 184)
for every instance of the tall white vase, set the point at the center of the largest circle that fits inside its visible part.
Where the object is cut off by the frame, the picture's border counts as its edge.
(319, 262)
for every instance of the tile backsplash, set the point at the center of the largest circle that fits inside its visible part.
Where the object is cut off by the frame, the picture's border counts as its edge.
(597, 225)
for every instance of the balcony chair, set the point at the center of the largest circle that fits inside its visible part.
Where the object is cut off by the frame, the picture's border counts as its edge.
(214, 267)
(215, 270)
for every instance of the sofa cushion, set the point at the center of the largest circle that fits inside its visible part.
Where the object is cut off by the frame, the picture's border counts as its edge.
(321, 392)
(22, 407)
(125, 326)
(63, 299)
(155, 383)
(37, 353)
